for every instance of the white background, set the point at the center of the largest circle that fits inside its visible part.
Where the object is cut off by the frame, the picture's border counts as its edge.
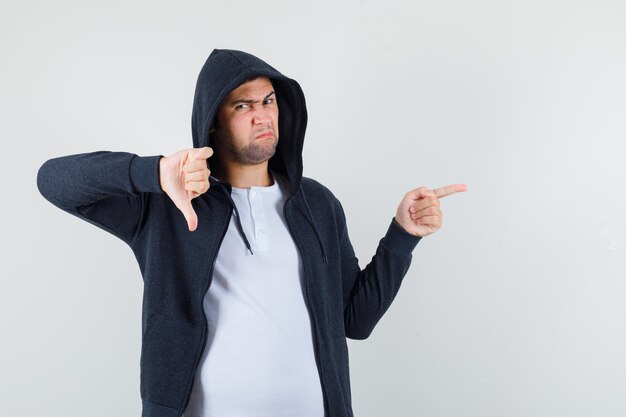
(516, 307)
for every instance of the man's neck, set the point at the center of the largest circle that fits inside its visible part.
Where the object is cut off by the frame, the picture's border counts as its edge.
(245, 176)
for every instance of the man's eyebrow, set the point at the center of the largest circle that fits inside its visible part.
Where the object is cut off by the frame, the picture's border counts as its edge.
(269, 95)
(250, 101)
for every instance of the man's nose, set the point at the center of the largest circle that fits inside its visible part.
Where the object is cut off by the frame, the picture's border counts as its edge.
(261, 116)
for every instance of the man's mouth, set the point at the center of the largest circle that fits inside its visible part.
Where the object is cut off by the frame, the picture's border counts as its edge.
(264, 135)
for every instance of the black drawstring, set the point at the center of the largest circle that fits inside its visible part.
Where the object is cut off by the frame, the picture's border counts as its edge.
(309, 217)
(237, 217)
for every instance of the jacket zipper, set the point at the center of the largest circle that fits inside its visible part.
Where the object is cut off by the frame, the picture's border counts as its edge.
(206, 324)
(312, 313)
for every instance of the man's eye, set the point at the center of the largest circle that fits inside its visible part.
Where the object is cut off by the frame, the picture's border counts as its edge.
(242, 106)
(269, 100)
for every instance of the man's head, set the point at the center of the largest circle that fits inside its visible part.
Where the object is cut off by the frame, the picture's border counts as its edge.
(245, 129)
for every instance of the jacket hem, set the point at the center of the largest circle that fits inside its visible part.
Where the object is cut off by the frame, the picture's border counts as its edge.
(151, 409)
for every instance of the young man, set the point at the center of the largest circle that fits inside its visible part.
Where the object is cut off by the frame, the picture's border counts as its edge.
(251, 285)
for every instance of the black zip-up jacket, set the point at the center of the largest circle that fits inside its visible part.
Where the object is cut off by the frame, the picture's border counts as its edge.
(120, 192)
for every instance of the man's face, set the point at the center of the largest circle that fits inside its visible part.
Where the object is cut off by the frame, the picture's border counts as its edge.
(247, 131)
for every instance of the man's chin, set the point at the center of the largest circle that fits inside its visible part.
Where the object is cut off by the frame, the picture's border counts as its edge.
(258, 153)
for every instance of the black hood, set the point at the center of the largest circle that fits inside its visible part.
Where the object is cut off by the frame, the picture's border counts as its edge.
(225, 70)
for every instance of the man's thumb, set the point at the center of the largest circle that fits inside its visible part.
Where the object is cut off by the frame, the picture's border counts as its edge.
(190, 214)
(425, 192)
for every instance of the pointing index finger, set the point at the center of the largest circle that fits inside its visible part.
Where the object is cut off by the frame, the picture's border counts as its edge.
(449, 189)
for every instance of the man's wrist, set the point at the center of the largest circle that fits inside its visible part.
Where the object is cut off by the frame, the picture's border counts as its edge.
(397, 239)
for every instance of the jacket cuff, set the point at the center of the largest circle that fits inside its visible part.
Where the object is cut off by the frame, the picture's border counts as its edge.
(144, 173)
(399, 240)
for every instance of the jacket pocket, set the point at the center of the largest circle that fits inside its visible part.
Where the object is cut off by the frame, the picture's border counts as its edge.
(168, 355)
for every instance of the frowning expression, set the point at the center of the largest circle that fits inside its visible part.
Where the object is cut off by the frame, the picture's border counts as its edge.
(246, 129)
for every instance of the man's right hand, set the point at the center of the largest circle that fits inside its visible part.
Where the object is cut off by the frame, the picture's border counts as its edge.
(184, 176)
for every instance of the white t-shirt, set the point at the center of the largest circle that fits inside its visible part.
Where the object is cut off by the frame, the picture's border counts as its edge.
(259, 359)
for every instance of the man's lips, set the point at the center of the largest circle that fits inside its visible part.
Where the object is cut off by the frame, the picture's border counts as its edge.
(265, 135)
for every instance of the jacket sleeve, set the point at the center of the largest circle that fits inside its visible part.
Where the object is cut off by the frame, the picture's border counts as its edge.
(105, 188)
(368, 293)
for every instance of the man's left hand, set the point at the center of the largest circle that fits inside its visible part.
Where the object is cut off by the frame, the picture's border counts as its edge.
(419, 212)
